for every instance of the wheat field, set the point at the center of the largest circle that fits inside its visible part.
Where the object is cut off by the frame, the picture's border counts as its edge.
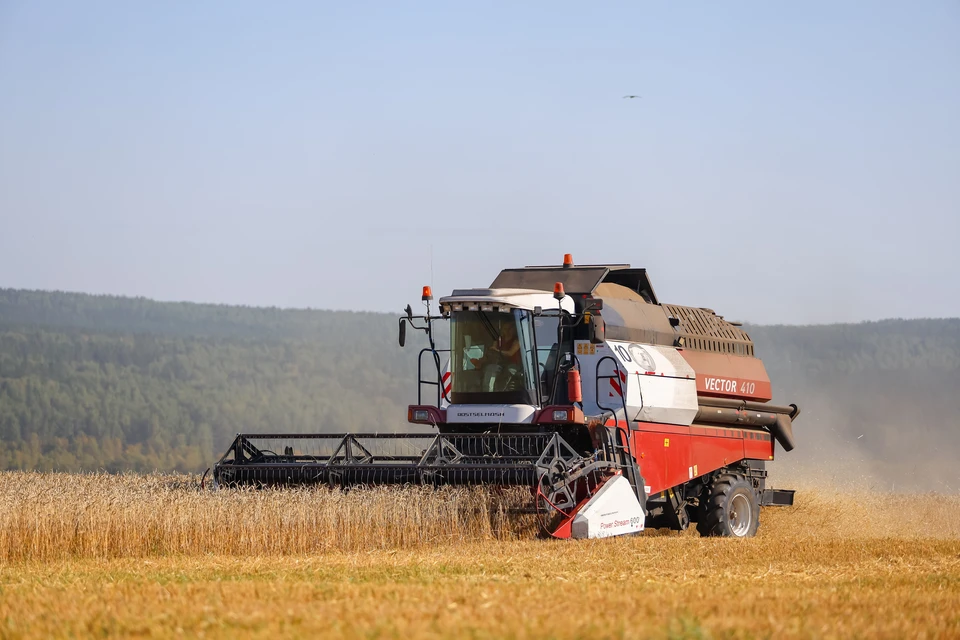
(156, 556)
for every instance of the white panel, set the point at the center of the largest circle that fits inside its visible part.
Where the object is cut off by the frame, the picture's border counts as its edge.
(672, 363)
(613, 511)
(647, 358)
(667, 400)
(661, 385)
(520, 298)
(500, 413)
(635, 399)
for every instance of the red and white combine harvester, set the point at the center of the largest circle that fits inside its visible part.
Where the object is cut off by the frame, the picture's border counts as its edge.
(616, 410)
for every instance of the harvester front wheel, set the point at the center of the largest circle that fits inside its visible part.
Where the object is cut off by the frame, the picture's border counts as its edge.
(730, 508)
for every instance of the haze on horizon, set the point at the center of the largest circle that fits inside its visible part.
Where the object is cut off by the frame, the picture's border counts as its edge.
(785, 163)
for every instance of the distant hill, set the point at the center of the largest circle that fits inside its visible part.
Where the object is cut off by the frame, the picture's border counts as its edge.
(115, 314)
(91, 382)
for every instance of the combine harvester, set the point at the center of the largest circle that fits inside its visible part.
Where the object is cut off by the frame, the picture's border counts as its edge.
(617, 411)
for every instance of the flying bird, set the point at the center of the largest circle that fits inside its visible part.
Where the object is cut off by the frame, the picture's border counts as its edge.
(632, 96)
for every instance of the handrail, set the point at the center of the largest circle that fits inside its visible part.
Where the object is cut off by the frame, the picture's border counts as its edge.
(620, 383)
(439, 383)
(634, 475)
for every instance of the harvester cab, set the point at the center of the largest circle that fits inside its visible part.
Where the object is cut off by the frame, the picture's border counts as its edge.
(505, 348)
(615, 410)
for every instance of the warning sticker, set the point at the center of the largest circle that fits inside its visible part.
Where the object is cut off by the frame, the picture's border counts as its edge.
(585, 348)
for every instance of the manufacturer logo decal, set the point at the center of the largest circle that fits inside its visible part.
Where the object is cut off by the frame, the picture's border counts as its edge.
(643, 359)
(480, 414)
(729, 386)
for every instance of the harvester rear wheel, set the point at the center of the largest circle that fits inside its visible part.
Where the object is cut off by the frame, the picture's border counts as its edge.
(730, 508)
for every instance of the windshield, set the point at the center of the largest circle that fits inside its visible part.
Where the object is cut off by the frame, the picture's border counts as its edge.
(493, 359)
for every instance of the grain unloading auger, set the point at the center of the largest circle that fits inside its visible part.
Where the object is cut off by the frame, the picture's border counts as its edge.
(616, 411)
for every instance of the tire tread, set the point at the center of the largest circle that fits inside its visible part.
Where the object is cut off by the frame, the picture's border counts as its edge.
(713, 516)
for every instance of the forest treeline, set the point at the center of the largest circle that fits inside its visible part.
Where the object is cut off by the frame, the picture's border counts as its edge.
(104, 382)
(90, 382)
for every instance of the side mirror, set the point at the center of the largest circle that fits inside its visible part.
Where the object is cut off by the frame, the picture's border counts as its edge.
(597, 329)
(403, 330)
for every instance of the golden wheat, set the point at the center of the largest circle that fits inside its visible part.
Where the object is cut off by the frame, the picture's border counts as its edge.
(154, 555)
(54, 516)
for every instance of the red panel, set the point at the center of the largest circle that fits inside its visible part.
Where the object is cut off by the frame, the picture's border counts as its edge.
(726, 376)
(677, 429)
(663, 455)
(669, 454)
(716, 448)
(437, 416)
(757, 445)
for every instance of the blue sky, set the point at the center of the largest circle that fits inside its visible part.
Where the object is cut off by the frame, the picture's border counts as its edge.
(787, 162)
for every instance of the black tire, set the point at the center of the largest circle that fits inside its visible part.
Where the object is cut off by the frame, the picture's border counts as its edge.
(729, 508)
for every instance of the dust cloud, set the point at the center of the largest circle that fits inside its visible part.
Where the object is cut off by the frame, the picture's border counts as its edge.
(878, 431)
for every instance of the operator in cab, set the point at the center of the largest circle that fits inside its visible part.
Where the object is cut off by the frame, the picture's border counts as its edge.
(502, 360)
(504, 351)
